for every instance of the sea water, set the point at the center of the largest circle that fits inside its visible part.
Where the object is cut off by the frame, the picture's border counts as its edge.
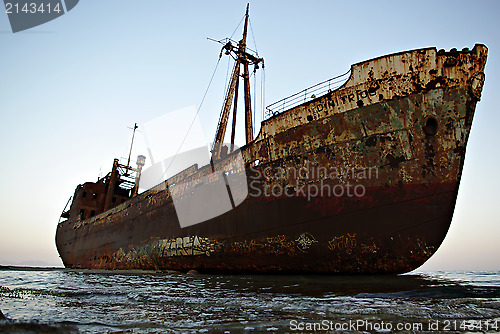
(65, 301)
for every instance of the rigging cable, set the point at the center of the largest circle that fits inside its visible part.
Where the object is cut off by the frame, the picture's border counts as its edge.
(254, 85)
(194, 118)
(254, 102)
(237, 27)
(203, 99)
(253, 37)
(262, 91)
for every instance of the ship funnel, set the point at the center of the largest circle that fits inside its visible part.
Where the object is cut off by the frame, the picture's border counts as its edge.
(141, 161)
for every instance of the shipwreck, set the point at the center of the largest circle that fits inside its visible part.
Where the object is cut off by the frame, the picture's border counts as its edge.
(357, 174)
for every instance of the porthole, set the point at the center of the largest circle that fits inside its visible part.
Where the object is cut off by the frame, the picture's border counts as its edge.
(431, 126)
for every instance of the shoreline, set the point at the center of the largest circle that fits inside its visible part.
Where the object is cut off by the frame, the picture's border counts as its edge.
(97, 271)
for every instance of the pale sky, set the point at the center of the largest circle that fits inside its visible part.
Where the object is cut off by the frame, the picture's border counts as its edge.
(70, 89)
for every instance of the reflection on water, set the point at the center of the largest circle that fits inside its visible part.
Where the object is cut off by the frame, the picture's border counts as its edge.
(96, 302)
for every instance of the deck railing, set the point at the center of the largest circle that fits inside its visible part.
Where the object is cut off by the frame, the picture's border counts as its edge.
(307, 94)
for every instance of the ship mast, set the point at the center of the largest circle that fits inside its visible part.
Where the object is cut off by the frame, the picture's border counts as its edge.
(131, 145)
(246, 81)
(242, 58)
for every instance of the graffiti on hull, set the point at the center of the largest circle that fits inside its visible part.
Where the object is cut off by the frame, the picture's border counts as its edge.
(185, 246)
(343, 243)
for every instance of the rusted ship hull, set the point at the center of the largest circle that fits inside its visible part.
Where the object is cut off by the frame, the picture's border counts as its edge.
(393, 235)
(394, 135)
